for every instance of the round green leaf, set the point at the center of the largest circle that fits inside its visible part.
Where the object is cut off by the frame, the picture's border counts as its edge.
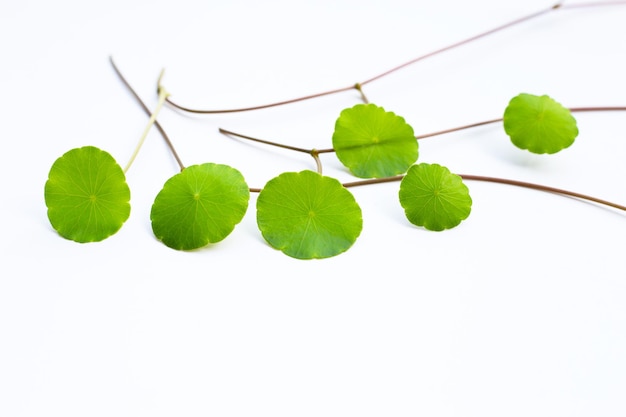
(374, 143)
(202, 204)
(87, 195)
(539, 124)
(433, 197)
(307, 215)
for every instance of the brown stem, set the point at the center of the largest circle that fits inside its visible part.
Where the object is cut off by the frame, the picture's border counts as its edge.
(601, 3)
(455, 129)
(543, 188)
(264, 106)
(359, 85)
(267, 142)
(607, 108)
(516, 183)
(149, 113)
(463, 42)
(318, 162)
(373, 181)
(329, 150)
(313, 152)
(486, 122)
(512, 23)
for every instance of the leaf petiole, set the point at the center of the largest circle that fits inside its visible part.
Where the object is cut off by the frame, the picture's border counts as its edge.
(147, 110)
(313, 152)
(163, 94)
(545, 188)
(499, 119)
(358, 86)
(505, 181)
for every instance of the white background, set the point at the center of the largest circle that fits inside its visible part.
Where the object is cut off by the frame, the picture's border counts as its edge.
(519, 311)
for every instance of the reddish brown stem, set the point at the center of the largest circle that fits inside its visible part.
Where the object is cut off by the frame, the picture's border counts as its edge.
(455, 129)
(267, 142)
(607, 108)
(516, 183)
(149, 113)
(486, 122)
(263, 106)
(543, 188)
(313, 152)
(464, 42)
(358, 86)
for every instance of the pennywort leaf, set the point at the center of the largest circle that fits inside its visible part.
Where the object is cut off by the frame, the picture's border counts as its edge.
(374, 143)
(433, 197)
(87, 195)
(202, 204)
(307, 215)
(539, 124)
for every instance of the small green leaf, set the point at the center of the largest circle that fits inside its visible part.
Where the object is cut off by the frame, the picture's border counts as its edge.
(87, 195)
(433, 197)
(539, 124)
(374, 143)
(200, 205)
(307, 215)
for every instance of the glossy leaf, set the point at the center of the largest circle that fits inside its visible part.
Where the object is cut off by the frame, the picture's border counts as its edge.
(200, 205)
(87, 195)
(307, 215)
(539, 124)
(374, 143)
(433, 197)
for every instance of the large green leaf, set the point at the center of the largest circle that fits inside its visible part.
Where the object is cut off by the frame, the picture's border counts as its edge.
(87, 195)
(202, 204)
(374, 143)
(539, 124)
(307, 215)
(433, 197)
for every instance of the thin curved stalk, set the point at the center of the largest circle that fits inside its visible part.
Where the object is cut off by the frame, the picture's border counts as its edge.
(466, 41)
(599, 3)
(148, 112)
(505, 181)
(590, 109)
(313, 152)
(316, 152)
(318, 161)
(358, 86)
(543, 188)
(266, 142)
(263, 106)
(162, 96)
(499, 119)
(456, 129)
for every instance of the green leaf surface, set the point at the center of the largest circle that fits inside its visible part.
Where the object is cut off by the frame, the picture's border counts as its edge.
(87, 195)
(433, 197)
(539, 124)
(307, 215)
(374, 143)
(200, 205)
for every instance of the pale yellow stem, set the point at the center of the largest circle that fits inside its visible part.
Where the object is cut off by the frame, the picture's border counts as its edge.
(163, 94)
